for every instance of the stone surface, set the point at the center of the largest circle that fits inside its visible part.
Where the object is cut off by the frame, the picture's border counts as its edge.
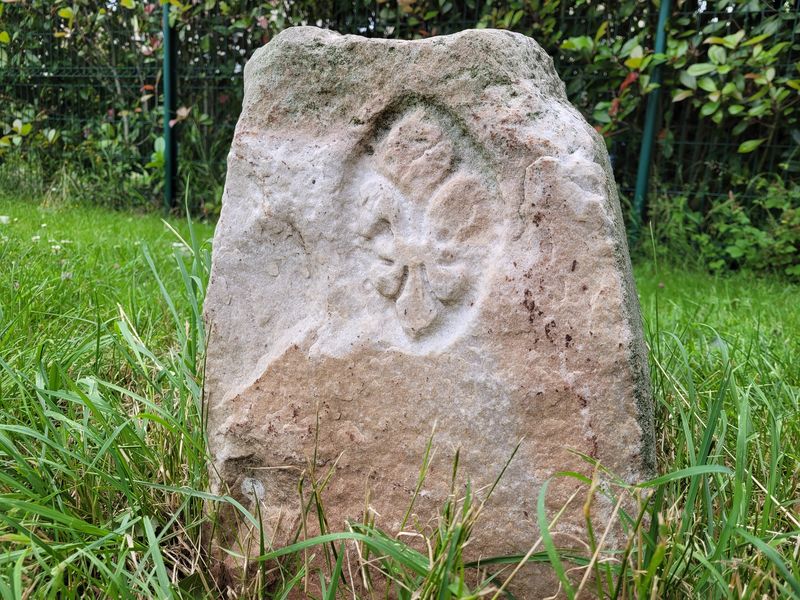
(416, 233)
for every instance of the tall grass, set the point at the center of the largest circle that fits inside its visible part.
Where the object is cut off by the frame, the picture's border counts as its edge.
(103, 462)
(102, 451)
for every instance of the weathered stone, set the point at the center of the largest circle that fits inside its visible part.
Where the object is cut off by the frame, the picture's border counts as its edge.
(416, 233)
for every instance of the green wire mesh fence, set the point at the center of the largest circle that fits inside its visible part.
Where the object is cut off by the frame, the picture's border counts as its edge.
(81, 84)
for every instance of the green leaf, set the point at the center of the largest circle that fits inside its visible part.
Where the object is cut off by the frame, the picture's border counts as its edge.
(601, 116)
(66, 13)
(633, 63)
(707, 84)
(732, 40)
(337, 571)
(690, 81)
(757, 39)
(687, 473)
(682, 95)
(580, 43)
(717, 55)
(52, 516)
(735, 109)
(681, 49)
(699, 69)
(377, 541)
(773, 556)
(709, 108)
(628, 46)
(735, 251)
(750, 145)
(601, 31)
(635, 60)
(155, 552)
(128, 4)
(4, 37)
(547, 539)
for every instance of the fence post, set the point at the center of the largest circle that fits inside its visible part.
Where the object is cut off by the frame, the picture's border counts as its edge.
(169, 83)
(649, 133)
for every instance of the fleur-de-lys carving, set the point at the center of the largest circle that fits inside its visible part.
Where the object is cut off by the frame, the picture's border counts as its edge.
(427, 221)
(419, 257)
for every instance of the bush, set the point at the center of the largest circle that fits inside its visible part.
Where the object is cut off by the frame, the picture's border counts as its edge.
(758, 231)
(81, 83)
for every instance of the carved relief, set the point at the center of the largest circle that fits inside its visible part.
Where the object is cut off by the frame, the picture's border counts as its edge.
(428, 218)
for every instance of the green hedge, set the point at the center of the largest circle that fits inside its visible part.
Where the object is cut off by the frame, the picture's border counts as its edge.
(80, 88)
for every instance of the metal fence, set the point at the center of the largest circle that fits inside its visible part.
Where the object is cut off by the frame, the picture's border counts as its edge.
(106, 107)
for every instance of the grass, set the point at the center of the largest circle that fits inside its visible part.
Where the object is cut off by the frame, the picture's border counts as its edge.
(103, 463)
(98, 435)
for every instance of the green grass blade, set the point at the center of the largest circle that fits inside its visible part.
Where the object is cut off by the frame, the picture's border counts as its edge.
(774, 558)
(547, 540)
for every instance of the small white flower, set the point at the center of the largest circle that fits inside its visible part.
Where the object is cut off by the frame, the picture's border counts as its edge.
(44, 224)
(66, 275)
(65, 241)
(36, 238)
(5, 219)
(55, 248)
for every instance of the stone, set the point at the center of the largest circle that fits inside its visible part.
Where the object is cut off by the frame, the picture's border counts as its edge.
(418, 233)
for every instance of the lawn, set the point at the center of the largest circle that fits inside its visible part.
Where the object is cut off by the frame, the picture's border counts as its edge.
(102, 455)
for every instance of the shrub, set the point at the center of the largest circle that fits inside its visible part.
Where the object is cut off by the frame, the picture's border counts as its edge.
(758, 230)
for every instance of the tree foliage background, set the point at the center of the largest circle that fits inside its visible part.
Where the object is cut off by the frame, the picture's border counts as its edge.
(80, 90)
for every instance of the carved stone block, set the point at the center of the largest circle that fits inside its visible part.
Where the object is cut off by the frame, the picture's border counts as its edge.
(416, 233)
